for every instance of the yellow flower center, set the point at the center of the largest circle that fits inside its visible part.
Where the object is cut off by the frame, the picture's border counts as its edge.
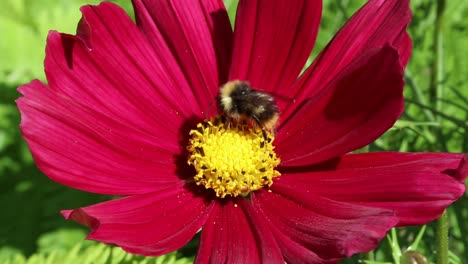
(232, 158)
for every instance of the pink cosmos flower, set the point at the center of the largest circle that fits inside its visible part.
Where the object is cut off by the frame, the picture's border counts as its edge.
(123, 101)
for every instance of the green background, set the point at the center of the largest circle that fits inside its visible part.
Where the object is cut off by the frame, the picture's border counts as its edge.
(31, 229)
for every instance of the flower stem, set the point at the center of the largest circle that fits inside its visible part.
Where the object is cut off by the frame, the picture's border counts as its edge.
(367, 257)
(442, 239)
(435, 92)
(436, 89)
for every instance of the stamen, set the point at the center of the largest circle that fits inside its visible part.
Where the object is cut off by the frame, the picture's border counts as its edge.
(232, 159)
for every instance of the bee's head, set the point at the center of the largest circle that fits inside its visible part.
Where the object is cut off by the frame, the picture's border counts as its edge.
(231, 93)
(240, 91)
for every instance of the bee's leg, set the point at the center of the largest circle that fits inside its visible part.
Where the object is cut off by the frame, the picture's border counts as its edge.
(219, 120)
(255, 118)
(227, 120)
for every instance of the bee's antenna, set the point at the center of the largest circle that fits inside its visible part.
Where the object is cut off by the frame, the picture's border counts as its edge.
(210, 107)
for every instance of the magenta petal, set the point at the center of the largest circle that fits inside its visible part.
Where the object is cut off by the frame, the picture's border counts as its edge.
(417, 186)
(235, 233)
(148, 224)
(112, 68)
(355, 109)
(376, 24)
(84, 149)
(199, 35)
(272, 41)
(311, 229)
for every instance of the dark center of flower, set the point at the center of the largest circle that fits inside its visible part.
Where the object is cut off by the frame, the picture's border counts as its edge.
(232, 158)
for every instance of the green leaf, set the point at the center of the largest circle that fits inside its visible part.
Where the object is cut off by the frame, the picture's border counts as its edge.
(24, 25)
(95, 253)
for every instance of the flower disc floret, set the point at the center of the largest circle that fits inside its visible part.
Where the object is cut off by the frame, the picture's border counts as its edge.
(232, 158)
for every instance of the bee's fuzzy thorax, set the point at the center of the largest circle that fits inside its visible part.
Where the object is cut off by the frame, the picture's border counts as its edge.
(238, 100)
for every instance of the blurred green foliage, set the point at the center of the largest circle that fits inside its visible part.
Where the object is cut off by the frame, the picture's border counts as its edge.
(96, 253)
(435, 120)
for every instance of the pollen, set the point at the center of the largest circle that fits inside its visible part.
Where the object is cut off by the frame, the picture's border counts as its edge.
(232, 158)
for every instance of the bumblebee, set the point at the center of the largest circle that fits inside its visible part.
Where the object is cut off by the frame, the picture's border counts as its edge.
(240, 101)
